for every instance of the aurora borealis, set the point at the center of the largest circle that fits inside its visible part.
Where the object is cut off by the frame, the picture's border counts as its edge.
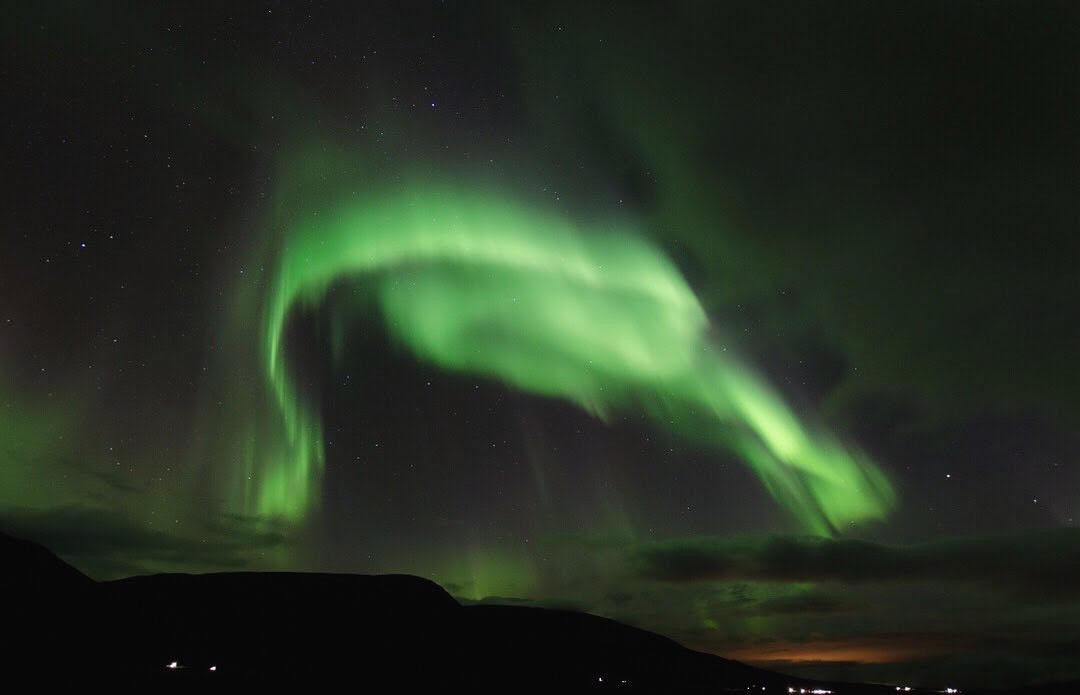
(474, 283)
(751, 324)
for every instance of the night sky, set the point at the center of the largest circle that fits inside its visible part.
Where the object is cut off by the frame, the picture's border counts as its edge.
(752, 324)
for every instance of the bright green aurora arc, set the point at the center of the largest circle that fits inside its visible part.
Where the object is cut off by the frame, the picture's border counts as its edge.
(751, 325)
(477, 282)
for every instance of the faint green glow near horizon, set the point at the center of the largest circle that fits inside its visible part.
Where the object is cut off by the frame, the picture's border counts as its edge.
(479, 283)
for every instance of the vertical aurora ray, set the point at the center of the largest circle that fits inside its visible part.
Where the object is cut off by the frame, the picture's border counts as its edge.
(479, 283)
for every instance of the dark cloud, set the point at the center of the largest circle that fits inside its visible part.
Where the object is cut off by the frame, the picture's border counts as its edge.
(814, 602)
(1042, 561)
(106, 544)
(110, 479)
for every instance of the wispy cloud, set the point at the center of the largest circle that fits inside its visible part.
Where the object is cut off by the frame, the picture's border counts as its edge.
(106, 544)
(1038, 561)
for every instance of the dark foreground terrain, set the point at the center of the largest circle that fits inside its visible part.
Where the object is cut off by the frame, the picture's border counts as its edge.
(394, 632)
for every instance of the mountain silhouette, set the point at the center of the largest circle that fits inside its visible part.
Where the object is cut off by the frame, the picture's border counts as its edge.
(30, 568)
(399, 632)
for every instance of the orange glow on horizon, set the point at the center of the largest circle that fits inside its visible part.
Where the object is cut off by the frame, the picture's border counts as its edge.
(872, 651)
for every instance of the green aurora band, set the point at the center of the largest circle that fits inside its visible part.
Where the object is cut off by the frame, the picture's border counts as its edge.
(479, 283)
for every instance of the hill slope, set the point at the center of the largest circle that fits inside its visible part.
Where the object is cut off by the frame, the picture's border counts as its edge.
(395, 631)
